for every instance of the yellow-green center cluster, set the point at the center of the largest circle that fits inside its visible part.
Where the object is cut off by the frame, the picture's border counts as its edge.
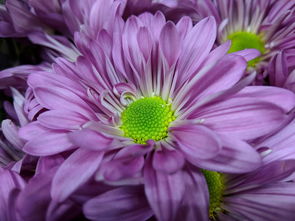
(147, 119)
(244, 40)
(215, 182)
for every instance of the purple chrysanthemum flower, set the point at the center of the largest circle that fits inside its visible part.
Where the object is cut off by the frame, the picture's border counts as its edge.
(145, 102)
(265, 25)
(265, 194)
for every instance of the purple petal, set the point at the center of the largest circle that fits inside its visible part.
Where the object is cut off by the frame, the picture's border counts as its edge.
(197, 141)
(48, 144)
(170, 43)
(144, 35)
(168, 161)
(57, 98)
(61, 119)
(271, 202)
(246, 118)
(74, 172)
(281, 144)
(181, 196)
(235, 157)
(222, 76)
(270, 173)
(10, 131)
(31, 130)
(33, 201)
(248, 54)
(196, 199)
(47, 163)
(273, 95)
(164, 192)
(90, 139)
(10, 183)
(135, 150)
(124, 203)
(197, 45)
(122, 168)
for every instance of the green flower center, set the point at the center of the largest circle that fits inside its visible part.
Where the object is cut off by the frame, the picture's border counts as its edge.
(147, 119)
(245, 40)
(215, 182)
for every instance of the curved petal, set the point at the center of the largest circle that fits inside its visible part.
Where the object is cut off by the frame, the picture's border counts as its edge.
(224, 74)
(196, 141)
(195, 204)
(11, 183)
(273, 95)
(48, 143)
(122, 168)
(168, 161)
(124, 203)
(243, 118)
(180, 196)
(197, 45)
(31, 130)
(163, 191)
(75, 171)
(169, 43)
(90, 139)
(270, 173)
(248, 54)
(268, 203)
(61, 119)
(235, 157)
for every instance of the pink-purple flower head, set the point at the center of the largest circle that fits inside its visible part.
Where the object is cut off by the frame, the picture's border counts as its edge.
(265, 25)
(143, 103)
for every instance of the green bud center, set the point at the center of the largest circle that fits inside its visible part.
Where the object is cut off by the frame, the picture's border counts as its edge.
(245, 40)
(147, 119)
(215, 182)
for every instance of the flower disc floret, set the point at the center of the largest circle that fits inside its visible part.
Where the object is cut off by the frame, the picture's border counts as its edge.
(215, 182)
(147, 119)
(246, 40)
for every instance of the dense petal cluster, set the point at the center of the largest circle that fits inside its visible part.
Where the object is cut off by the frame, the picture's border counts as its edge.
(149, 110)
(265, 25)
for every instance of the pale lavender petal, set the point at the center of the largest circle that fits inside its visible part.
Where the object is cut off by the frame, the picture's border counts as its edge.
(10, 131)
